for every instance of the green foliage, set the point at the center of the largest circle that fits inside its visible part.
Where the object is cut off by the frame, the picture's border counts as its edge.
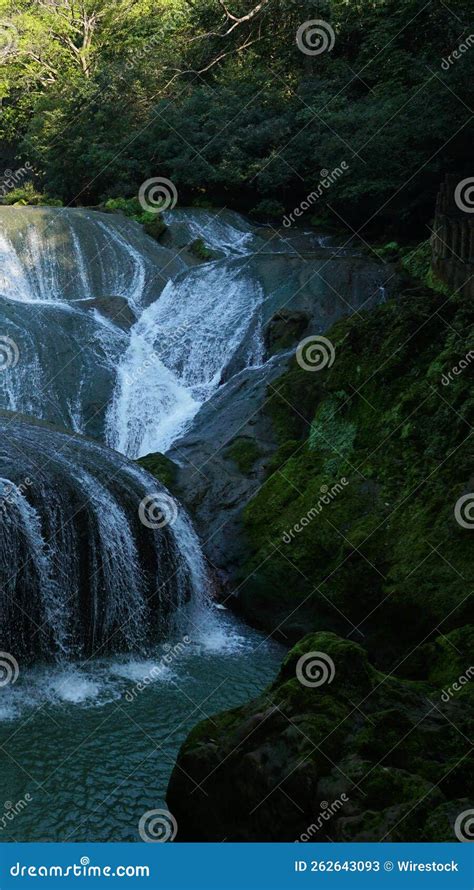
(153, 223)
(98, 108)
(27, 194)
(418, 264)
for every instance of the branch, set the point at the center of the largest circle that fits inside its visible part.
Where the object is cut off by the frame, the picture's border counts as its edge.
(235, 19)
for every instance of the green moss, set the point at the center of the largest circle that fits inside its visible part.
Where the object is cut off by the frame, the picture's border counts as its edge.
(152, 223)
(386, 551)
(418, 264)
(345, 727)
(161, 467)
(199, 250)
(244, 452)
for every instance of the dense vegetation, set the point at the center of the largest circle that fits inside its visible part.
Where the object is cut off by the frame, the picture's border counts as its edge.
(98, 95)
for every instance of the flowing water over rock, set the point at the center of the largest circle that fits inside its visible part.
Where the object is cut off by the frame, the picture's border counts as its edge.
(80, 572)
(108, 334)
(118, 338)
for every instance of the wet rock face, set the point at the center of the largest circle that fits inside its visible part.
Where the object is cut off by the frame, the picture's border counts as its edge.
(303, 295)
(359, 756)
(285, 330)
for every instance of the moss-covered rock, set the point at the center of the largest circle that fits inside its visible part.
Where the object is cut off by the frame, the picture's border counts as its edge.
(161, 467)
(385, 550)
(199, 250)
(245, 453)
(380, 756)
(152, 221)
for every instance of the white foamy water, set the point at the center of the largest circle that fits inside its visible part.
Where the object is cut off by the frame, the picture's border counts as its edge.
(178, 352)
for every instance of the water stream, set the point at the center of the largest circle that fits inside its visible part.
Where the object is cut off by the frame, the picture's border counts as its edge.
(106, 611)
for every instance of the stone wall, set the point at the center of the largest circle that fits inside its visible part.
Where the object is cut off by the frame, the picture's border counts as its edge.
(452, 241)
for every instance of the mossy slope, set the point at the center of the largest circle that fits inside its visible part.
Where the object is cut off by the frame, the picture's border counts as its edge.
(391, 752)
(385, 558)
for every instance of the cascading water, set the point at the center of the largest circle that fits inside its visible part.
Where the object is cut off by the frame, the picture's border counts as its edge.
(72, 282)
(117, 337)
(110, 335)
(106, 333)
(80, 572)
(178, 351)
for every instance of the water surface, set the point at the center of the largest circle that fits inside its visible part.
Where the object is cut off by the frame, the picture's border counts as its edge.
(94, 749)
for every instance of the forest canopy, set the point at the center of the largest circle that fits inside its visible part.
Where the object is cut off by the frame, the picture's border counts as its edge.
(98, 95)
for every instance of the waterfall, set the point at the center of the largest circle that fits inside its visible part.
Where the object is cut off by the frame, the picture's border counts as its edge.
(80, 572)
(112, 336)
(178, 351)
